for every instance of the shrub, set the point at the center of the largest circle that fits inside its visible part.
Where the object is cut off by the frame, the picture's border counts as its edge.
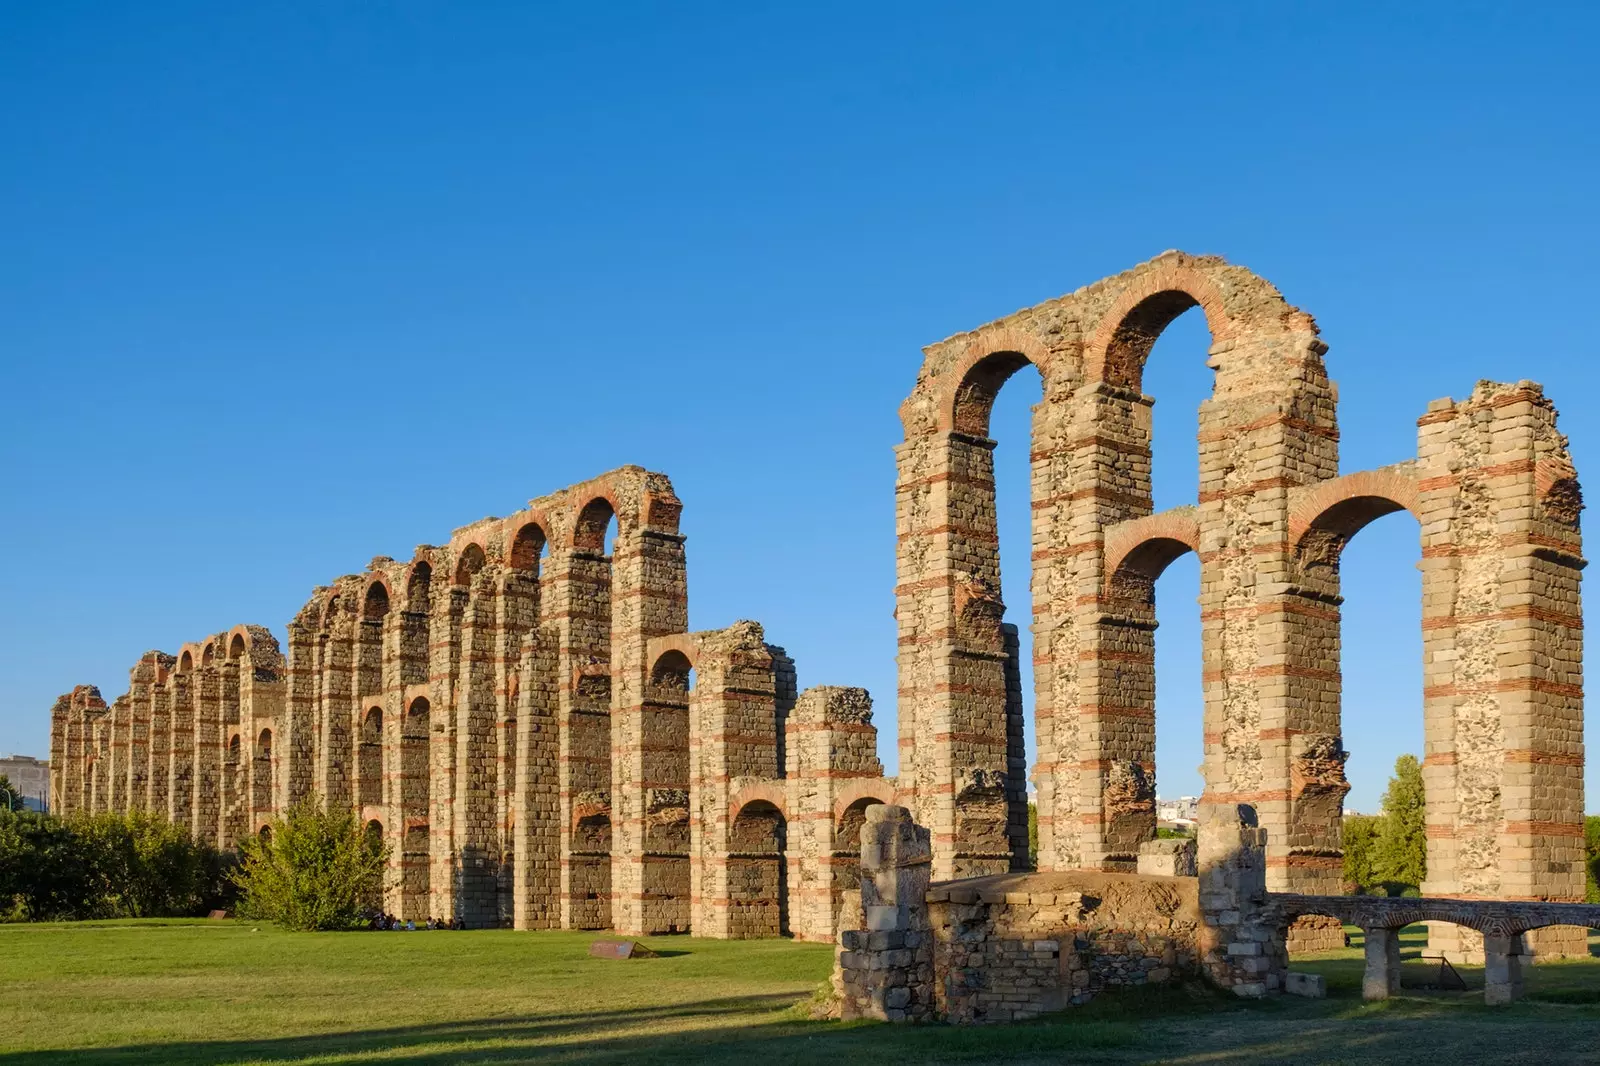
(45, 874)
(145, 866)
(1360, 832)
(316, 868)
(103, 866)
(1591, 857)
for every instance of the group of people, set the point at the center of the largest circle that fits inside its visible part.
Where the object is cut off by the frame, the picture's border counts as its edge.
(384, 922)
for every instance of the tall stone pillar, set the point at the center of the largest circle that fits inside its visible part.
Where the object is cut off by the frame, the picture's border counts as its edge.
(536, 809)
(120, 728)
(180, 759)
(159, 776)
(832, 751)
(475, 836)
(206, 786)
(649, 756)
(1503, 697)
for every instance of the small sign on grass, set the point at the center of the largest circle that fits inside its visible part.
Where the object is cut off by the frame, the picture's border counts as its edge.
(620, 949)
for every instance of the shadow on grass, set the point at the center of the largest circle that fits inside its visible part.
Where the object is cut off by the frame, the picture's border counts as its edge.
(1184, 1024)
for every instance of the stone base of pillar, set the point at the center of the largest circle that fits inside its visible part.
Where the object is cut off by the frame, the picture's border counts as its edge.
(1502, 969)
(1381, 978)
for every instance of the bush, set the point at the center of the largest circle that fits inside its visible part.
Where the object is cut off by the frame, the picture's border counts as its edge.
(45, 873)
(1591, 857)
(146, 866)
(314, 869)
(105, 866)
(1360, 835)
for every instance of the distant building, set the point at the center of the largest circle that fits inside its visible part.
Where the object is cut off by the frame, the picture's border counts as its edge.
(31, 778)
(1179, 812)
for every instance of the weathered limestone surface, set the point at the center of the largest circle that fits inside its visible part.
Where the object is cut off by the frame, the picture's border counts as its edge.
(522, 715)
(1496, 499)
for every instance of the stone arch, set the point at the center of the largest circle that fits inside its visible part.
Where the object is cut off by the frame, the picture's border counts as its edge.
(528, 544)
(591, 519)
(375, 599)
(238, 647)
(185, 660)
(992, 357)
(1234, 300)
(773, 792)
(412, 804)
(369, 757)
(1324, 519)
(208, 654)
(757, 865)
(864, 792)
(419, 586)
(469, 561)
(331, 606)
(1141, 549)
(261, 773)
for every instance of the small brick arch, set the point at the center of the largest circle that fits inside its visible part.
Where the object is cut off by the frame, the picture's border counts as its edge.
(876, 789)
(1345, 505)
(1147, 546)
(460, 575)
(772, 792)
(581, 532)
(376, 580)
(993, 355)
(519, 548)
(330, 605)
(684, 644)
(419, 588)
(1166, 288)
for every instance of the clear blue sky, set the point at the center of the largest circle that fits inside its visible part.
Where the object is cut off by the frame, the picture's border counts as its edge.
(284, 287)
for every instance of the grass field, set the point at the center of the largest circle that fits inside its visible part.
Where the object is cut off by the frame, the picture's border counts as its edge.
(228, 992)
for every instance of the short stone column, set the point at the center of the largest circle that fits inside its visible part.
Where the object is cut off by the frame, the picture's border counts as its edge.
(885, 971)
(1502, 969)
(1381, 978)
(1240, 948)
(1172, 857)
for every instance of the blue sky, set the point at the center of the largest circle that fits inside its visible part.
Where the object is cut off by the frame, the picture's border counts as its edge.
(288, 286)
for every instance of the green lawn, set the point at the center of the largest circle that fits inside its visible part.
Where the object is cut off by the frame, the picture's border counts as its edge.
(229, 992)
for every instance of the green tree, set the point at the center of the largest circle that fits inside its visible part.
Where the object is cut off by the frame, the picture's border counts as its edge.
(10, 795)
(1400, 855)
(145, 866)
(315, 868)
(1033, 835)
(1591, 857)
(44, 874)
(1360, 841)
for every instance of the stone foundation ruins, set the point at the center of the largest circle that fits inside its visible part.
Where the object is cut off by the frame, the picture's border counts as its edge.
(523, 716)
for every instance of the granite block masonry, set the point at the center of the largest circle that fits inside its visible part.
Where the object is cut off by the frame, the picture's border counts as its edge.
(523, 714)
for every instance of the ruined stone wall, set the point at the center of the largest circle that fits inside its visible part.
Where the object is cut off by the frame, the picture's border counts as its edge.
(1010, 947)
(515, 713)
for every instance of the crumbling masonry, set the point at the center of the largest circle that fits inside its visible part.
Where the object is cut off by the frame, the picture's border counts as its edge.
(523, 716)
